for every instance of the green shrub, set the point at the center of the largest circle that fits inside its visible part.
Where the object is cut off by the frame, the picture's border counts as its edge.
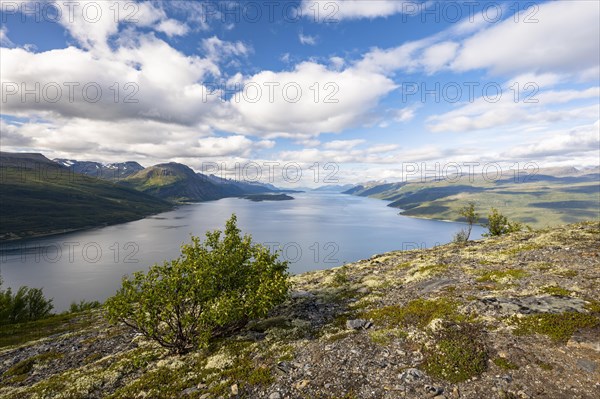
(498, 224)
(461, 236)
(213, 288)
(459, 353)
(558, 326)
(26, 304)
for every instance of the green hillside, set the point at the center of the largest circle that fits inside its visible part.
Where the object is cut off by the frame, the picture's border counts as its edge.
(39, 197)
(544, 200)
(176, 183)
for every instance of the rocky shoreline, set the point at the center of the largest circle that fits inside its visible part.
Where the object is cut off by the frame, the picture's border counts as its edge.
(508, 317)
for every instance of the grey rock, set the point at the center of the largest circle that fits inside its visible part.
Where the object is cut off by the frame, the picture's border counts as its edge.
(189, 391)
(432, 285)
(411, 375)
(301, 294)
(586, 365)
(357, 324)
(432, 391)
(532, 305)
(586, 339)
(275, 395)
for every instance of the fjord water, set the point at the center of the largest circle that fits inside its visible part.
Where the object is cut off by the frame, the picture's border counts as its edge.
(314, 231)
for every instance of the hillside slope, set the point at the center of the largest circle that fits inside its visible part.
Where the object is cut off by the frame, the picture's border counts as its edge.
(510, 317)
(179, 183)
(552, 197)
(39, 197)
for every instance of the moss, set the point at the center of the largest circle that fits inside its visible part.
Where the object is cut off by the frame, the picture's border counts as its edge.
(17, 334)
(566, 273)
(458, 354)
(386, 336)
(363, 304)
(559, 327)
(593, 306)
(285, 353)
(265, 324)
(403, 265)
(520, 248)
(92, 358)
(25, 366)
(432, 270)
(544, 366)
(541, 266)
(340, 277)
(499, 275)
(555, 290)
(339, 335)
(419, 312)
(505, 364)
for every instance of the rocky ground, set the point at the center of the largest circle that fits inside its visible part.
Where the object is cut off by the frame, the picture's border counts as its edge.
(508, 317)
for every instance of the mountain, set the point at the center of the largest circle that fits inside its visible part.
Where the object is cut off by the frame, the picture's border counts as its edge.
(108, 171)
(334, 188)
(245, 187)
(40, 197)
(176, 182)
(548, 197)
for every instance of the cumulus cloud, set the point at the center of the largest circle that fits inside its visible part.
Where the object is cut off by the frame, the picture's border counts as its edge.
(565, 38)
(91, 139)
(575, 141)
(484, 113)
(153, 81)
(309, 100)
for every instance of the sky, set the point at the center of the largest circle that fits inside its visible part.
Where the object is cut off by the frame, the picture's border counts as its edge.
(304, 91)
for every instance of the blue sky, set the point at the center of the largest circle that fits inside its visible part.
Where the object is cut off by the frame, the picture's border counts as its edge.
(383, 83)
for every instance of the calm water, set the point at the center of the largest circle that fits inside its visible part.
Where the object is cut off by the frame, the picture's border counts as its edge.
(314, 231)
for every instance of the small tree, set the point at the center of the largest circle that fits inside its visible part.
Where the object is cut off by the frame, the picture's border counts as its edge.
(27, 304)
(468, 212)
(213, 288)
(498, 224)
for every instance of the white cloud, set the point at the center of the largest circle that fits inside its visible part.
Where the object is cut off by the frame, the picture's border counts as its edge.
(307, 39)
(577, 140)
(92, 139)
(217, 49)
(337, 63)
(484, 114)
(334, 10)
(342, 144)
(566, 38)
(309, 100)
(172, 27)
(564, 41)
(154, 80)
(4, 40)
(404, 114)
(437, 56)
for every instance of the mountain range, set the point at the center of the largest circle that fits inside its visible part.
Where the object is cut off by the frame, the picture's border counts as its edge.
(107, 171)
(40, 196)
(549, 197)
